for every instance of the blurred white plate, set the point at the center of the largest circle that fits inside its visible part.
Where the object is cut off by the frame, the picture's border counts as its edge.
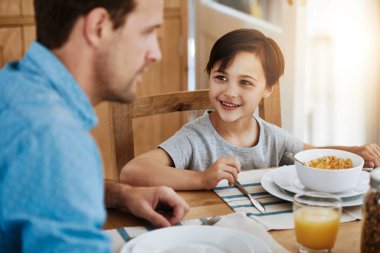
(286, 178)
(267, 182)
(200, 239)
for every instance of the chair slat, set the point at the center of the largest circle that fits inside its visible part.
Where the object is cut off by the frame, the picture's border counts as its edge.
(171, 102)
(122, 115)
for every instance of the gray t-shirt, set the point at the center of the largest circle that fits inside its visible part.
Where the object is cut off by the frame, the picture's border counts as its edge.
(197, 145)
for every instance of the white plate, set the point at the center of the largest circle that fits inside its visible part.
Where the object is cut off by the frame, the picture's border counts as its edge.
(270, 186)
(286, 178)
(189, 239)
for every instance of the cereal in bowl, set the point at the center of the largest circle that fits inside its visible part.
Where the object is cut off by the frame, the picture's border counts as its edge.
(331, 162)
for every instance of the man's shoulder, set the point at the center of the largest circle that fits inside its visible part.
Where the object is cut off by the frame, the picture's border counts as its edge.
(33, 112)
(17, 85)
(35, 106)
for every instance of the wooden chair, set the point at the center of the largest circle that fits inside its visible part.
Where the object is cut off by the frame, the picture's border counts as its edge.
(122, 115)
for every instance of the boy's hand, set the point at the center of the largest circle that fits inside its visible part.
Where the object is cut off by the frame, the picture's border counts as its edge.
(370, 154)
(223, 168)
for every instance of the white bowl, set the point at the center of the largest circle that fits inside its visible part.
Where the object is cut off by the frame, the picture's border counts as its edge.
(328, 180)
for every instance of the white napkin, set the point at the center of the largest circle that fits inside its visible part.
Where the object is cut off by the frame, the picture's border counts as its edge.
(278, 213)
(235, 221)
(242, 222)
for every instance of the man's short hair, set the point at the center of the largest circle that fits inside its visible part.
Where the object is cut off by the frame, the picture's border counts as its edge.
(55, 18)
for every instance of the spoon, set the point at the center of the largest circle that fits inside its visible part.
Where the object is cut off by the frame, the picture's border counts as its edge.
(291, 156)
(211, 221)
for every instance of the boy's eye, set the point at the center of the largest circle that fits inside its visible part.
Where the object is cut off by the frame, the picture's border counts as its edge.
(245, 82)
(221, 78)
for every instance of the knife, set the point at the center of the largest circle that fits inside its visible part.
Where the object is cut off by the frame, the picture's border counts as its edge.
(254, 202)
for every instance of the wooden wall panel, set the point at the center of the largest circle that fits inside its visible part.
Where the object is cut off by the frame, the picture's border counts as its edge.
(27, 8)
(16, 29)
(167, 76)
(104, 138)
(29, 34)
(2, 60)
(10, 44)
(170, 123)
(10, 8)
(174, 3)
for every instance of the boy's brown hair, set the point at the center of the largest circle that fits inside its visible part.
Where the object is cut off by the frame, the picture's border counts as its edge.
(253, 41)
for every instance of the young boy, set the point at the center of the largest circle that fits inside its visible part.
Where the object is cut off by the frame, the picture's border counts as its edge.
(243, 67)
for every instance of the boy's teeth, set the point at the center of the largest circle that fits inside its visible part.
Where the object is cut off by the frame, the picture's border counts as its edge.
(229, 104)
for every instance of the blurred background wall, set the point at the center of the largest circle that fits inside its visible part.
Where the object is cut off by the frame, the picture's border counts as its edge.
(331, 87)
(342, 102)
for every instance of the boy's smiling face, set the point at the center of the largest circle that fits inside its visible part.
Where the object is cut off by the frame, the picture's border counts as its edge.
(236, 91)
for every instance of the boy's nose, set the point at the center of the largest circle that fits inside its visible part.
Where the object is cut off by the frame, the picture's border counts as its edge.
(231, 91)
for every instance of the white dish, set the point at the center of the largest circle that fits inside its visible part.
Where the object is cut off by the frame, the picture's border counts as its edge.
(328, 180)
(270, 186)
(189, 239)
(286, 178)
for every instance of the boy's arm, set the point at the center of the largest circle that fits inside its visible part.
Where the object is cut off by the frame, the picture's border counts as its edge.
(370, 153)
(155, 168)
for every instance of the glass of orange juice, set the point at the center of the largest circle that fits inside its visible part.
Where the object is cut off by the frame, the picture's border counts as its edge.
(316, 218)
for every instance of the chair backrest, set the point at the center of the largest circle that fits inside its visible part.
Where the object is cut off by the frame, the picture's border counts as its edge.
(122, 115)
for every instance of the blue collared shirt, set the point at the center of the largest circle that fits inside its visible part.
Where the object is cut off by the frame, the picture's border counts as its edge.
(51, 181)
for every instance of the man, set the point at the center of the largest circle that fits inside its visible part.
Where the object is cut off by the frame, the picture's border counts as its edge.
(51, 182)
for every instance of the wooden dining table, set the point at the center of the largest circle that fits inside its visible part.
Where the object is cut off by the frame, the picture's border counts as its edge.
(207, 203)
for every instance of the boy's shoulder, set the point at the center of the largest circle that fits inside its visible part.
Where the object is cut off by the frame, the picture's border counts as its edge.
(201, 121)
(265, 125)
(198, 128)
(270, 130)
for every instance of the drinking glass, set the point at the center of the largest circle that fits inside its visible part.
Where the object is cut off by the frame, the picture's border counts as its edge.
(316, 218)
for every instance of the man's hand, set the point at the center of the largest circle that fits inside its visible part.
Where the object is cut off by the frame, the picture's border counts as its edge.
(223, 168)
(370, 154)
(161, 206)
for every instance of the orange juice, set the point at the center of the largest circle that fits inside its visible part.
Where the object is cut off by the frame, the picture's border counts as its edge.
(316, 227)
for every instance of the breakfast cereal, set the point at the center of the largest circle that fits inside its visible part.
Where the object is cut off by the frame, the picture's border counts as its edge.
(331, 162)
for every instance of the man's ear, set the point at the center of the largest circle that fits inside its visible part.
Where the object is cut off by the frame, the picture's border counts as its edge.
(97, 25)
(268, 91)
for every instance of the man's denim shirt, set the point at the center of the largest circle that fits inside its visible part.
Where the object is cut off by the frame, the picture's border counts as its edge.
(51, 181)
